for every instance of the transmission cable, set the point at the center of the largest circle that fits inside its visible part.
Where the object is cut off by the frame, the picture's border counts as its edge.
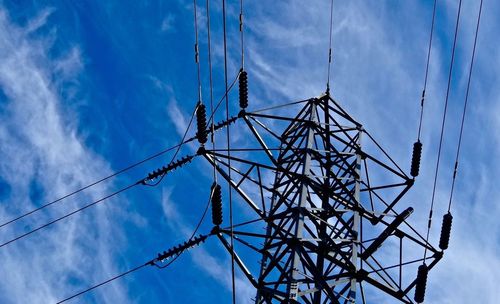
(242, 40)
(140, 182)
(429, 224)
(197, 61)
(330, 48)
(197, 50)
(179, 146)
(219, 103)
(429, 49)
(68, 214)
(417, 146)
(102, 283)
(212, 124)
(146, 264)
(455, 170)
(233, 282)
(207, 206)
(153, 156)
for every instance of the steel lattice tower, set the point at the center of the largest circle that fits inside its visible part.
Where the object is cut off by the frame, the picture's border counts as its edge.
(325, 193)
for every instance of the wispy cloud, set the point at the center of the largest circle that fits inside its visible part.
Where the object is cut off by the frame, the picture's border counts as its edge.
(38, 145)
(168, 23)
(39, 20)
(177, 116)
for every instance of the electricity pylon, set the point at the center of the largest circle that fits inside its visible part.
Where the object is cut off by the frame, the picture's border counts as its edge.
(318, 203)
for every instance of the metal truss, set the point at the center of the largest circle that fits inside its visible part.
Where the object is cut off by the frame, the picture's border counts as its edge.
(316, 219)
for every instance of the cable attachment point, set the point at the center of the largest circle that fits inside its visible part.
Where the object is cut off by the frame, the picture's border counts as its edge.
(176, 250)
(243, 83)
(444, 239)
(165, 169)
(421, 283)
(216, 204)
(415, 158)
(201, 120)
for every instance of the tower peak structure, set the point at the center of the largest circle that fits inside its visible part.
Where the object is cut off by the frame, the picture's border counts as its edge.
(320, 217)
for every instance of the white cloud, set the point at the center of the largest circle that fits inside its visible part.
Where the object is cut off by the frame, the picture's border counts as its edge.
(71, 64)
(167, 25)
(38, 146)
(177, 117)
(38, 21)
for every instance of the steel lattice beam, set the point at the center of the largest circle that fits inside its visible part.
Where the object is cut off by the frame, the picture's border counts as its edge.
(329, 212)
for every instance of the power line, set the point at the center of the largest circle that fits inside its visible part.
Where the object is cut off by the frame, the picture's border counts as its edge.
(125, 169)
(212, 124)
(139, 182)
(197, 61)
(102, 283)
(242, 41)
(194, 231)
(182, 140)
(69, 214)
(417, 146)
(219, 103)
(177, 251)
(330, 47)
(426, 70)
(233, 283)
(443, 125)
(197, 50)
(153, 156)
(151, 262)
(225, 97)
(465, 106)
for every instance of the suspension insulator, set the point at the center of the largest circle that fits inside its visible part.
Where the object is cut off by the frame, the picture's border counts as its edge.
(243, 89)
(216, 204)
(415, 159)
(201, 119)
(165, 169)
(444, 240)
(421, 283)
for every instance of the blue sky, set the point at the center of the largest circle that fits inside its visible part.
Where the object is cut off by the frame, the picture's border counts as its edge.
(88, 87)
